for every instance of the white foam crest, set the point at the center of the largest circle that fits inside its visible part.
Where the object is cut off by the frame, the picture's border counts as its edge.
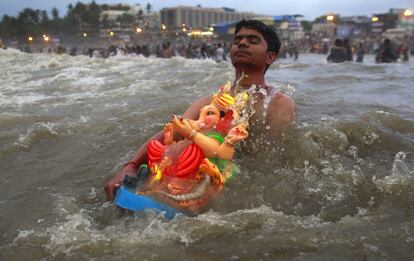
(72, 73)
(47, 62)
(78, 230)
(123, 64)
(88, 82)
(12, 81)
(73, 234)
(370, 137)
(20, 100)
(63, 99)
(11, 115)
(332, 182)
(264, 218)
(278, 219)
(26, 62)
(401, 178)
(22, 235)
(84, 78)
(286, 88)
(40, 130)
(10, 52)
(84, 119)
(146, 228)
(399, 167)
(383, 112)
(350, 220)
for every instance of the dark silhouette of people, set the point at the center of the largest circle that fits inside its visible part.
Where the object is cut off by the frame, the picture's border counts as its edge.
(360, 53)
(337, 52)
(348, 51)
(404, 53)
(386, 53)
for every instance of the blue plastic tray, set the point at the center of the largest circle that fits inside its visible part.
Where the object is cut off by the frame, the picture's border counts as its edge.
(129, 200)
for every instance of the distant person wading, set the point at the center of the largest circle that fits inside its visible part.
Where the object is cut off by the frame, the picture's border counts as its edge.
(337, 53)
(386, 53)
(167, 50)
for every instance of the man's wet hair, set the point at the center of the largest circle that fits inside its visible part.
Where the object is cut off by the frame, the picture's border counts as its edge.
(270, 36)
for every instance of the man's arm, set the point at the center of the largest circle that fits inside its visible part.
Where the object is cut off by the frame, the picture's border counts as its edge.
(141, 156)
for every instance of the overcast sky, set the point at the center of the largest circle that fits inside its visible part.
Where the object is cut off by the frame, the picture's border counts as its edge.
(309, 8)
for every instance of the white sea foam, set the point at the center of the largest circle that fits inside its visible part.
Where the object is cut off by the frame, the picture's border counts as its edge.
(23, 234)
(19, 100)
(401, 176)
(38, 129)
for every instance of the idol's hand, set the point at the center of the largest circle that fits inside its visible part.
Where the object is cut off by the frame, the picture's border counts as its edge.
(182, 126)
(237, 133)
(168, 134)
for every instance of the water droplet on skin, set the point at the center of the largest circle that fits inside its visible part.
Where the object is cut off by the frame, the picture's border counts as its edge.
(267, 127)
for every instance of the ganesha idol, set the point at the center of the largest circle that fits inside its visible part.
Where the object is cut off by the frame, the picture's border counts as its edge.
(186, 174)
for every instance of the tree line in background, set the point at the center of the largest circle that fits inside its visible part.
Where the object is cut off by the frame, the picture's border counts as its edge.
(79, 18)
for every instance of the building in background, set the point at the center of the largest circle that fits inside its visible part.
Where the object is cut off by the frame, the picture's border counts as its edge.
(119, 21)
(289, 27)
(406, 21)
(324, 30)
(353, 26)
(151, 20)
(115, 11)
(200, 17)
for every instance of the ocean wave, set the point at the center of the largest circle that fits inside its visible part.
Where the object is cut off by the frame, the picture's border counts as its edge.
(48, 130)
(289, 66)
(336, 79)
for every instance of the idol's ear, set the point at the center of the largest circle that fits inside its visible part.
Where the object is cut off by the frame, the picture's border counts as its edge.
(270, 57)
(225, 123)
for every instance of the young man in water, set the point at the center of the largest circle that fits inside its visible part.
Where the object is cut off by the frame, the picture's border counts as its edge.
(255, 47)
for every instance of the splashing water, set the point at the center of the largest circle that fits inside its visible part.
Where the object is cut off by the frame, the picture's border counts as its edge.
(338, 185)
(399, 167)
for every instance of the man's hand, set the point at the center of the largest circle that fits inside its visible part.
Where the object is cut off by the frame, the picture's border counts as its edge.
(113, 184)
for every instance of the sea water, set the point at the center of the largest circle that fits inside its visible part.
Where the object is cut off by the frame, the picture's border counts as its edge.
(339, 185)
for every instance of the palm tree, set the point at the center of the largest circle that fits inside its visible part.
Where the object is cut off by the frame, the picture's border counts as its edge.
(55, 14)
(70, 20)
(8, 27)
(148, 8)
(94, 15)
(28, 22)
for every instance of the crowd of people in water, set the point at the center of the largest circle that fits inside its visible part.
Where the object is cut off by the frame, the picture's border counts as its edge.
(218, 51)
(341, 50)
(387, 52)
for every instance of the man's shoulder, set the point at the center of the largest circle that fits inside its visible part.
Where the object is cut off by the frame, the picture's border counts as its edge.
(201, 102)
(203, 99)
(283, 97)
(284, 106)
(192, 112)
(278, 95)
